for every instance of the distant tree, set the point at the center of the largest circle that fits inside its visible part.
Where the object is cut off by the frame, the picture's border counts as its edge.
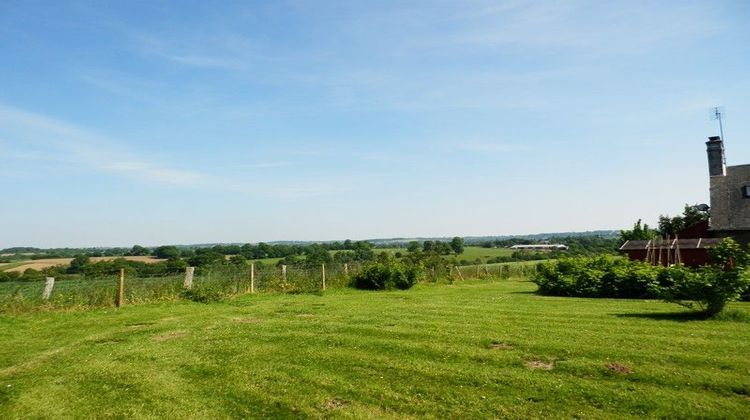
(427, 246)
(691, 216)
(363, 251)
(238, 259)
(638, 233)
(344, 256)
(167, 252)
(413, 247)
(78, 264)
(457, 245)
(316, 255)
(138, 251)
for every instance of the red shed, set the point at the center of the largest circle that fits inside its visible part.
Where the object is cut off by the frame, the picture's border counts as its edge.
(691, 252)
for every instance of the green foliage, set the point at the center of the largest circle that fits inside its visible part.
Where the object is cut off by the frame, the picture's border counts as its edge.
(457, 245)
(138, 250)
(639, 232)
(315, 255)
(167, 252)
(602, 276)
(691, 216)
(387, 275)
(707, 289)
(78, 264)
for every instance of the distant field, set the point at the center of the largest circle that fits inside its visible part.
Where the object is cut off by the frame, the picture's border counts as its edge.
(473, 349)
(474, 252)
(51, 262)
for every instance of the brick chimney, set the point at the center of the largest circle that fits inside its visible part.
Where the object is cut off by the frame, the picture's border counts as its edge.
(715, 150)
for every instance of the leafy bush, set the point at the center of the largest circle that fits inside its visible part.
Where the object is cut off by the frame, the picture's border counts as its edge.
(707, 289)
(711, 287)
(602, 276)
(387, 275)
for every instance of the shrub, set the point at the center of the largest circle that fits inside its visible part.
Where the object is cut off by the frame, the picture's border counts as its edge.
(708, 289)
(602, 276)
(386, 275)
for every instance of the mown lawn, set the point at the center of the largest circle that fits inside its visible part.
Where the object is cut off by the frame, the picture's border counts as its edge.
(424, 352)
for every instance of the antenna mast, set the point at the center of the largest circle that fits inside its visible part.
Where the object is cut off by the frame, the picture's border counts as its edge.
(717, 113)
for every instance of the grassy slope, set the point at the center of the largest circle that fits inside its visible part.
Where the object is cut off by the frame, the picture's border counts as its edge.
(423, 352)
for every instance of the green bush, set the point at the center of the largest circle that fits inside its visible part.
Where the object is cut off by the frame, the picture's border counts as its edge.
(387, 275)
(602, 276)
(707, 289)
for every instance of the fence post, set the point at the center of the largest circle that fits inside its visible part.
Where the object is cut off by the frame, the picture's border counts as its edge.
(48, 288)
(121, 289)
(346, 269)
(189, 271)
(323, 269)
(459, 273)
(252, 277)
(283, 273)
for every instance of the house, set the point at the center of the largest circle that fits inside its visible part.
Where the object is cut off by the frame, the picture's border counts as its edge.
(730, 217)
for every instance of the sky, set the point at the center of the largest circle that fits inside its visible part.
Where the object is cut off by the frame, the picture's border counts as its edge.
(156, 122)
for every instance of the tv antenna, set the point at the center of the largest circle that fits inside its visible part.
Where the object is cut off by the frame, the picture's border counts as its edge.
(717, 113)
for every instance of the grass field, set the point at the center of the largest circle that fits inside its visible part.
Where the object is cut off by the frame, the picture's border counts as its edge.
(476, 349)
(473, 252)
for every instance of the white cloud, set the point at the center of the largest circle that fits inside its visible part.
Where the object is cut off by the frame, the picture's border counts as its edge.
(82, 146)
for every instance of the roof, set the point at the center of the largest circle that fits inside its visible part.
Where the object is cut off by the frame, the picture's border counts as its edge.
(699, 243)
(540, 246)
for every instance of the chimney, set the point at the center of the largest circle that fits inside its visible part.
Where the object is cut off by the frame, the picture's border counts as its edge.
(715, 150)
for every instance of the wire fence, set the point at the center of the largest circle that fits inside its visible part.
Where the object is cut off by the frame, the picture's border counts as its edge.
(225, 280)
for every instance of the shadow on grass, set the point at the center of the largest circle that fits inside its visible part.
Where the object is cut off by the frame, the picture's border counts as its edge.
(668, 316)
(731, 315)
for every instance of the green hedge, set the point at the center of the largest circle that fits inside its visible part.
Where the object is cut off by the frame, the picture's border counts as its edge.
(707, 288)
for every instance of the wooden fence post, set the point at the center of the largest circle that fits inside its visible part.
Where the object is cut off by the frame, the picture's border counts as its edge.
(283, 272)
(189, 271)
(121, 289)
(252, 277)
(48, 288)
(346, 269)
(323, 269)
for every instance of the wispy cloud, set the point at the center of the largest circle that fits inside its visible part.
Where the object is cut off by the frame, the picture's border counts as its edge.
(83, 146)
(70, 144)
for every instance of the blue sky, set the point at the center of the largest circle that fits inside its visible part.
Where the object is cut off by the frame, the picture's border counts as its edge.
(157, 122)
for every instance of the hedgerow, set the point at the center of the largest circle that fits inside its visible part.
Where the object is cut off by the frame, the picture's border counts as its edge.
(707, 288)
